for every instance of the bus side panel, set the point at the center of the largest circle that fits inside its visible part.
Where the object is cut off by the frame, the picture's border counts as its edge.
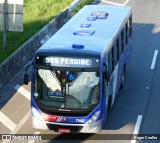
(125, 58)
(110, 88)
(121, 64)
(129, 50)
(103, 90)
(116, 78)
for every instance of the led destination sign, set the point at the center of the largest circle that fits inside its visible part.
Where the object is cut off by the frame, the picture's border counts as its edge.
(68, 62)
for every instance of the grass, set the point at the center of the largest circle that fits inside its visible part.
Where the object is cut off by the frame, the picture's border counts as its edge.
(36, 15)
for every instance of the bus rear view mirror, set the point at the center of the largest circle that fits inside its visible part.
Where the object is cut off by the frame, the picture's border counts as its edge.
(26, 79)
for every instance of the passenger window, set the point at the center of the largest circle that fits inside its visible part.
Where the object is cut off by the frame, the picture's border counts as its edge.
(120, 46)
(115, 54)
(130, 26)
(109, 62)
(127, 36)
(117, 46)
(122, 39)
(112, 51)
(110, 65)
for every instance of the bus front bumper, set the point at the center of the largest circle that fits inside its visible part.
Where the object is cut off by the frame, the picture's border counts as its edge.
(81, 128)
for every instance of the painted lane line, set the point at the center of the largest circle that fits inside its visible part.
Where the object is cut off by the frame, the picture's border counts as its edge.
(35, 133)
(138, 123)
(23, 91)
(21, 123)
(137, 127)
(7, 122)
(154, 59)
(116, 3)
(137, 27)
(105, 1)
(125, 2)
(19, 126)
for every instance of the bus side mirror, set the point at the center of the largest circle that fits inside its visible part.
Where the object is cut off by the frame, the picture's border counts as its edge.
(26, 79)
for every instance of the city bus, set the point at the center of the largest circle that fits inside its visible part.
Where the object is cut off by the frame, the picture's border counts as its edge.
(78, 72)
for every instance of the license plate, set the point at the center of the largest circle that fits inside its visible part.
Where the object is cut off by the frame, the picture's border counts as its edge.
(64, 130)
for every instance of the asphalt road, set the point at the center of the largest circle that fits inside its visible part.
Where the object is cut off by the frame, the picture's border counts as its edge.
(136, 109)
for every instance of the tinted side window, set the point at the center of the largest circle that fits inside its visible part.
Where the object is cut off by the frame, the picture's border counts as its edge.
(115, 54)
(122, 39)
(118, 52)
(127, 33)
(130, 26)
(111, 61)
(112, 58)
(120, 45)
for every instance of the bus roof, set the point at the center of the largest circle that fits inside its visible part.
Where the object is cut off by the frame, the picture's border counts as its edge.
(98, 36)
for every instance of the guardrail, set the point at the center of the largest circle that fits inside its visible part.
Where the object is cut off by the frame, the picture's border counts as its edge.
(74, 5)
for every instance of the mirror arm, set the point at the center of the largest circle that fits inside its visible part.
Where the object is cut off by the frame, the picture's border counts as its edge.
(28, 66)
(26, 78)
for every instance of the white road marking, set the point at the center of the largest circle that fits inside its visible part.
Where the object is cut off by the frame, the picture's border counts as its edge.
(154, 59)
(21, 123)
(125, 3)
(138, 26)
(137, 127)
(7, 122)
(35, 133)
(18, 127)
(110, 2)
(23, 91)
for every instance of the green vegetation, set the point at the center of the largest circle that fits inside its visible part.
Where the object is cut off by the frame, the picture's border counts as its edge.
(84, 2)
(36, 15)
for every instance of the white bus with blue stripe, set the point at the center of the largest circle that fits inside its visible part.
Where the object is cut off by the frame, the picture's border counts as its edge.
(78, 72)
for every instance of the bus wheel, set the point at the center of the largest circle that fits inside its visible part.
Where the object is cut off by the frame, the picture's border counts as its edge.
(123, 79)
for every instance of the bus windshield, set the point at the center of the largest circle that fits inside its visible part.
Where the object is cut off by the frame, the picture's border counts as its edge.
(67, 89)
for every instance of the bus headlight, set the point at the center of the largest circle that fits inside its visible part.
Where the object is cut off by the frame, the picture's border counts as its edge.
(36, 114)
(94, 118)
